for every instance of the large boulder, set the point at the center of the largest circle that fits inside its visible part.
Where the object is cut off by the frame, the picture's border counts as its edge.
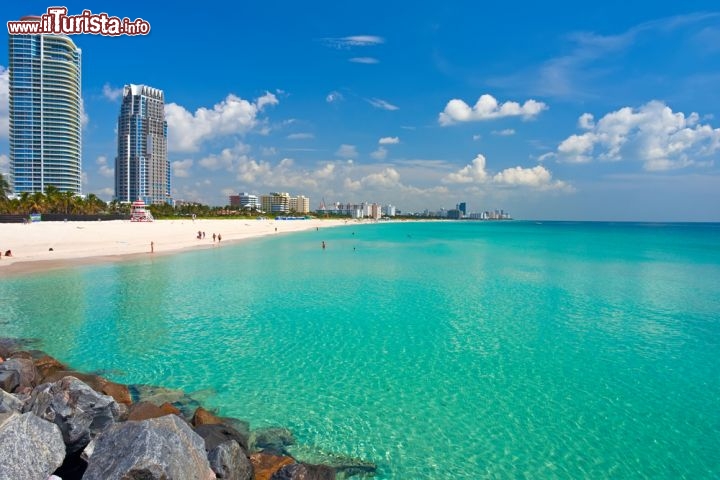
(273, 439)
(118, 391)
(215, 434)
(156, 449)
(79, 411)
(266, 464)
(147, 410)
(344, 465)
(25, 368)
(230, 462)
(30, 447)
(9, 380)
(302, 471)
(10, 403)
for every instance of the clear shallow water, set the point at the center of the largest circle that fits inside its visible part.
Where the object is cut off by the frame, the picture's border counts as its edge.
(437, 350)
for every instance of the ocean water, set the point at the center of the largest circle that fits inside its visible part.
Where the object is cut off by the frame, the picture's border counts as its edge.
(437, 350)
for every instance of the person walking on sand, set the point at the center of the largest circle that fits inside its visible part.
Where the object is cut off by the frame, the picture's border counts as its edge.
(152, 247)
(213, 237)
(219, 237)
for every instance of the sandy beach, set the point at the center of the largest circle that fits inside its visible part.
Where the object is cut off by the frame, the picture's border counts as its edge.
(48, 245)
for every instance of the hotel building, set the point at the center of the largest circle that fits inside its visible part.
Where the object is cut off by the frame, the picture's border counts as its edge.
(45, 113)
(142, 169)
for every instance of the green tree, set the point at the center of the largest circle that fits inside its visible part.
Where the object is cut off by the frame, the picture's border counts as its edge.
(4, 188)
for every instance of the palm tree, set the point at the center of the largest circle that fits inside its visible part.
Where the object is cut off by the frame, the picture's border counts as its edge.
(52, 199)
(93, 204)
(4, 188)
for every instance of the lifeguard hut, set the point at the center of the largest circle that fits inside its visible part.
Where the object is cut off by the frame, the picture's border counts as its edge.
(139, 212)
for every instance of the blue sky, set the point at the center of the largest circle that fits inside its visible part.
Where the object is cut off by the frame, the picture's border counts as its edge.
(559, 110)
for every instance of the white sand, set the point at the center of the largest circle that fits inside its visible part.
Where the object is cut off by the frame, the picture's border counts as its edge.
(84, 242)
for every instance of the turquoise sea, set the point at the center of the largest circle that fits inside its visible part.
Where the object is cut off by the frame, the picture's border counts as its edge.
(437, 350)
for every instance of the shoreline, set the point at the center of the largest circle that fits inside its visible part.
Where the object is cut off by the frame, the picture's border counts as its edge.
(46, 246)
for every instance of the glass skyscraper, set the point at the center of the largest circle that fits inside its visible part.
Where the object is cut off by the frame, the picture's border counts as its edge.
(142, 170)
(45, 113)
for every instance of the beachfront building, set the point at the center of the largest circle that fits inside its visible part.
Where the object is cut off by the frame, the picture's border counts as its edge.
(142, 169)
(245, 201)
(45, 113)
(275, 202)
(389, 210)
(300, 204)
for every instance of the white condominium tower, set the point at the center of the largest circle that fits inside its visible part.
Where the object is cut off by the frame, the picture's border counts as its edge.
(142, 170)
(45, 113)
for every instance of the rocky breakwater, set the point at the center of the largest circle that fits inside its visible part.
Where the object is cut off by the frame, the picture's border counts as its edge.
(56, 423)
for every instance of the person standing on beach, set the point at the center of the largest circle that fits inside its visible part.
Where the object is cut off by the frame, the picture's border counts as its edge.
(152, 247)
(213, 237)
(219, 237)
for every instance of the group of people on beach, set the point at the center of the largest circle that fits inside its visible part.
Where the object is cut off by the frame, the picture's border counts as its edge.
(201, 235)
(8, 253)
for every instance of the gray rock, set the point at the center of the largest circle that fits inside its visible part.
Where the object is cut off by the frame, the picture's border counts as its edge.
(215, 434)
(157, 449)
(30, 448)
(10, 403)
(302, 471)
(273, 439)
(9, 380)
(344, 465)
(25, 368)
(229, 461)
(79, 411)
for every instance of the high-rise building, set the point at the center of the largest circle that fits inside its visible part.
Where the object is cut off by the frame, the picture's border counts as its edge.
(45, 113)
(142, 170)
(300, 204)
(463, 208)
(275, 202)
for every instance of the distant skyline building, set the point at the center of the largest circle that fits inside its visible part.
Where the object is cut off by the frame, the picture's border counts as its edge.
(463, 208)
(142, 169)
(245, 201)
(45, 113)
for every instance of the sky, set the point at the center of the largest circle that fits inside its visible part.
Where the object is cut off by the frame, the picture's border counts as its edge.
(549, 110)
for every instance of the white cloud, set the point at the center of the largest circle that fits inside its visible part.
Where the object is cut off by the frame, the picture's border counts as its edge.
(488, 108)
(653, 134)
(389, 140)
(103, 168)
(586, 121)
(4, 102)
(379, 154)
(365, 60)
(268, 151)
(300, 136)
(504, 133)
(232, 116)
(354, 41)
(84, 117)
(334, 96)
(382, 104)
(473, 173)
(267, 99)
(4, 162)
(111, 93)
(347, 151)
(477, 137)
(389, 177)
(228, 159)
(546, 156)
(537, 177)
(181, 168)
